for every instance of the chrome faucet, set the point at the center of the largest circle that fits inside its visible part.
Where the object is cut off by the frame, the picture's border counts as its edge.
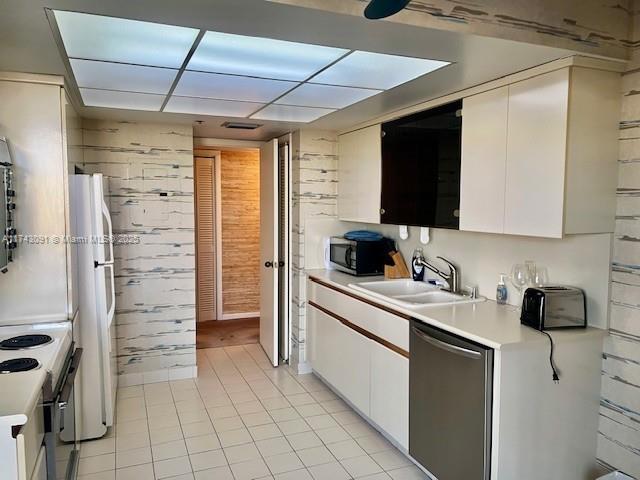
(452, 277)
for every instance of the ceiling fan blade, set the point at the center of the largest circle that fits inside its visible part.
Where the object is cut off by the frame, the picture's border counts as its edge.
(384, 8)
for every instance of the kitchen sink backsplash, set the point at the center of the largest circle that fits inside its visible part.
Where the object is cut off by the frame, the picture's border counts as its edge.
(578, 260)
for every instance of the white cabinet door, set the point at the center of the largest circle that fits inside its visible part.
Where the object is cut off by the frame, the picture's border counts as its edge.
(359, 175)
(341, 356)
(484, 157)
(390, 392)
(536, 155)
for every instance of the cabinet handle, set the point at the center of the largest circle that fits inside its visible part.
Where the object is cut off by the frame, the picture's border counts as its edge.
(382, 211)
(268, 264)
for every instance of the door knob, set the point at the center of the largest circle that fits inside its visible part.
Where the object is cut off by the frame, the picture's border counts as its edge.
(268, 264)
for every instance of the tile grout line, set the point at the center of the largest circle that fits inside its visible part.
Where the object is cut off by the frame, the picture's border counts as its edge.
(240, 363)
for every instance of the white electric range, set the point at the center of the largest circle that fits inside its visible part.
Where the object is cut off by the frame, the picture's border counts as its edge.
(37, 369)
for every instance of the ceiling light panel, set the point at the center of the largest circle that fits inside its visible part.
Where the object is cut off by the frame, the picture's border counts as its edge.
(287, 113)
(376, 70)
(231, 87)
(261, 57)
(120, 76)
(123, 100)
(326, 96)
(208, 106)
(97, 37)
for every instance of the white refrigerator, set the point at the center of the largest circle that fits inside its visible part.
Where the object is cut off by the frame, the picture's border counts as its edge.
(94, 234)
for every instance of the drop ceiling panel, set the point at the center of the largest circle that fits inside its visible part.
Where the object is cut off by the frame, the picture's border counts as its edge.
(97, 37)
(261, 57)
(376, 70)
(326, 96)
(231, 87)
(120, 76)
(208, 106)
(123, 100)
(287, 113)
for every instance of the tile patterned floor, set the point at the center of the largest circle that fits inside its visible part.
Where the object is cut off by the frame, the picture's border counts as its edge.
(240, 419)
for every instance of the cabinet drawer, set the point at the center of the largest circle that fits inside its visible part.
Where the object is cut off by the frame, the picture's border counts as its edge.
(388, 326)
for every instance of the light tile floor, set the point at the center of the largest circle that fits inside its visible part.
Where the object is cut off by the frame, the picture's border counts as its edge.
(241, 419)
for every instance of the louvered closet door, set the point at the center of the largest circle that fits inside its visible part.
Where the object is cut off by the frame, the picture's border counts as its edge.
(205, 238)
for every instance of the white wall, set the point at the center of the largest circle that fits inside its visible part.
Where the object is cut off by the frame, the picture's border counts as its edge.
(579, 260)
(35, 287)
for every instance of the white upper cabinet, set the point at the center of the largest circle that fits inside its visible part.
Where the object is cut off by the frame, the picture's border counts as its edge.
(359, 175)
(539, 156)
(536, 149)
(484, 149)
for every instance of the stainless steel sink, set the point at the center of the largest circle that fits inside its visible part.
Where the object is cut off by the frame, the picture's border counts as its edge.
(411, 294)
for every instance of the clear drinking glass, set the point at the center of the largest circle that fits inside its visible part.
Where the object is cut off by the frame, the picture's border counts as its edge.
(531, 270)
(519, 277)
(541, 278)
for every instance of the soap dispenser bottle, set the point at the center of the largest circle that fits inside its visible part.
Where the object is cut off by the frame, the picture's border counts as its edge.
(501, 290)
(417, 269)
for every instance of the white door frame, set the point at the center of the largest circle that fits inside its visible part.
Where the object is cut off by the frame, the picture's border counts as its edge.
(216, 155)
(217, 161)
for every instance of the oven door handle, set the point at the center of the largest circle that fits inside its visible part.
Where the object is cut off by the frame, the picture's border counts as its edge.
(65, 393)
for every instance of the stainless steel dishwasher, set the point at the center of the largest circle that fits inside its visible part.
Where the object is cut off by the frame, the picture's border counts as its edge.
(450, 383)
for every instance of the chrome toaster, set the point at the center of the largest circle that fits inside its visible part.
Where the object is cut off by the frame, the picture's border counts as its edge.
(554, 306)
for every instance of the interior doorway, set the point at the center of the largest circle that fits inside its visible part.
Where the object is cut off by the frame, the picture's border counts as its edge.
(227, 211)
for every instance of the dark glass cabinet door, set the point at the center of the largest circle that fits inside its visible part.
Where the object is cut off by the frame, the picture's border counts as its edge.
(421, 168)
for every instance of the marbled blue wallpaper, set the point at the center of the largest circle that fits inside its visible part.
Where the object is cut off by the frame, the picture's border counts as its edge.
(150, 171)
(314, 195)
(619, 440)
(592, 26)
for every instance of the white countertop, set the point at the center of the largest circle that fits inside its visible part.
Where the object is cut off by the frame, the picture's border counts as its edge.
(487, 323)
(21, 390)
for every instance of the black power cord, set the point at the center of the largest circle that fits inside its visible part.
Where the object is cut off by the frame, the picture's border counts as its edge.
(556, 377)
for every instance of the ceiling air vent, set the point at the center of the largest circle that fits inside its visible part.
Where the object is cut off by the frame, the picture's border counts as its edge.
(241, 126)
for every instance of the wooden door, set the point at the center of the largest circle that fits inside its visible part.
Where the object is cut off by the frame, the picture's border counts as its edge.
(205, 202)
(269, 250)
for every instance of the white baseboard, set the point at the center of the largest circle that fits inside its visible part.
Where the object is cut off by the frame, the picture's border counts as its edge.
(155, 376)
(237, 316)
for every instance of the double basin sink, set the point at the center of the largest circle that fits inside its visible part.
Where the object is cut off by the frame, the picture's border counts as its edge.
(411, 294)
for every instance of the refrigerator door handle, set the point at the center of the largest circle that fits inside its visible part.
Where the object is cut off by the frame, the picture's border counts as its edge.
(112, 307)
(107, 216)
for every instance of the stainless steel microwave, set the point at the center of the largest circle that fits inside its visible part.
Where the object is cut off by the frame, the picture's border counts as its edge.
(358, 257)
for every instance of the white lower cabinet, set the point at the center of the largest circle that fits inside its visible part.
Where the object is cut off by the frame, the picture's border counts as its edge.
(374, 378)
(390, 392)
(341, 356)
(539, 429)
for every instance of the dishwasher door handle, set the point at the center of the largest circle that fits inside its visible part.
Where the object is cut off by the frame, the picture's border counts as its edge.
(446, 346)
